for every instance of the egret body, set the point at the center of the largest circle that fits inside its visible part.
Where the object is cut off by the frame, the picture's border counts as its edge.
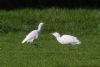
(66, 39)
(33, 34)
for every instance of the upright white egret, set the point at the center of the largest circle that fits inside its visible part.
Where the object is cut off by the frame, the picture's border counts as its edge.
(66, 39)
(33, 34)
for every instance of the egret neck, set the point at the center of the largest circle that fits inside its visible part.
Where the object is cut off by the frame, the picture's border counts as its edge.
(39, 27)
(59, 39)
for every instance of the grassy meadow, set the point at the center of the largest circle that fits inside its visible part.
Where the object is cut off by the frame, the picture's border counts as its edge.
(45, 51)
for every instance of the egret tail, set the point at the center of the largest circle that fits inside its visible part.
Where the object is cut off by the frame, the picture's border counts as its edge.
(78, 42)
(24, 41)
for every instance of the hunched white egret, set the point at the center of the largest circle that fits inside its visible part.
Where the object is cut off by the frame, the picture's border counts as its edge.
(66, 39)
(33, 34)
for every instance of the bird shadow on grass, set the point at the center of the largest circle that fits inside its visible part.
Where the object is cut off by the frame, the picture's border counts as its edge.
(37, 45)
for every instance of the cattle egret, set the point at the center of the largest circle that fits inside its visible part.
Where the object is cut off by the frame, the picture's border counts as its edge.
(66, 39)
(33, 34)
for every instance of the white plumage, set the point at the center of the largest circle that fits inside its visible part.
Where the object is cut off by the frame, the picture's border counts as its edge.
(33, 35)
(66, 39)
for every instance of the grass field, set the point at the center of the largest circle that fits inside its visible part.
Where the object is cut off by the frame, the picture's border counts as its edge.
(46, 52)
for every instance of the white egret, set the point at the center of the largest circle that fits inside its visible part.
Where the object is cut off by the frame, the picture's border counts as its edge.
(33, 34)
(66, 39)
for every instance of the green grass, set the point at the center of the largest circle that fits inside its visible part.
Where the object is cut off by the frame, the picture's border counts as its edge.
(83, 23)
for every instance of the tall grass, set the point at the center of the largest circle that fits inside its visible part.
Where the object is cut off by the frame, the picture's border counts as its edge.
(80, 21)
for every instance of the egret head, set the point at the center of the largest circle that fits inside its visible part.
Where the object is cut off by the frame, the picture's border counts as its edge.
(41, 24)
(56, 34)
